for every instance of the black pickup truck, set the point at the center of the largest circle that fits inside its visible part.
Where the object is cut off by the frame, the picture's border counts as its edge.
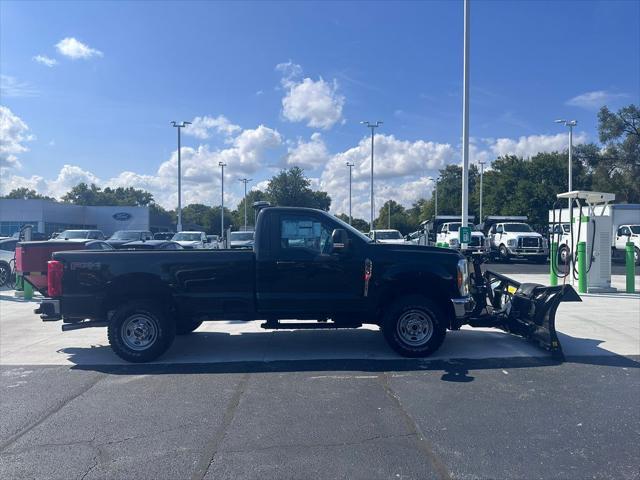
(306, 266)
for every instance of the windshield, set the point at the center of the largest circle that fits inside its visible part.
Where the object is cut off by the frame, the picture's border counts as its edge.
(393, 235)
(73, 234)
(454, 227)
(241, 236)
(125, 235)
(517, 227)
(186, 237)
(635, 229)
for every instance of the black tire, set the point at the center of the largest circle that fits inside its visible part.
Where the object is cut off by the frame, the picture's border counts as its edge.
(131, 318)
(504, 253)
(564, 255)
(636, 255)
(186, 326)
(5, 273)
(403, 315)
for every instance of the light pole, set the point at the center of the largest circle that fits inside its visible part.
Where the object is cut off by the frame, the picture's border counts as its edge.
(389, 219)
(372, 126)
(465, 123)
(436, 192)
(179, 126)
(481, 162)
(222, 165)
(570, 124)
(350, 165)
(245, 181)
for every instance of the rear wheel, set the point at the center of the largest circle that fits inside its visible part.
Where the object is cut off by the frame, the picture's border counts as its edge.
(414, 326)
(139, 331)
(564, 255)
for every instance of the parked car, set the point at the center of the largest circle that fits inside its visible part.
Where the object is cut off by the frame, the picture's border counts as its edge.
(213, 241)
(191, 240)
(239, 240)
(7, 256)
(80, 235)
(307, 265)
(122, 237)
(163, 235)
(152, 245)
(387, 236)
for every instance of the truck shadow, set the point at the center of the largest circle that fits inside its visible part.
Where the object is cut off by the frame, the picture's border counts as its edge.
(356, 350)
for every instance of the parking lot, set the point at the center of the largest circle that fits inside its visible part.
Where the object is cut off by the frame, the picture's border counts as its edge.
(233, 401)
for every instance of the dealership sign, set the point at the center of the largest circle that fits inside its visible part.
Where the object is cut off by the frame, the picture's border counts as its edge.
(122, 216)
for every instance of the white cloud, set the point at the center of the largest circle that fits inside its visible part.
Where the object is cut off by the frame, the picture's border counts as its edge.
(401, 169)
(202, 127)
(533, 144)
(75, 49)
(594, 100)
(315, 102)
(12, 87)
(46, 61)
(311, 154)
(14, 132)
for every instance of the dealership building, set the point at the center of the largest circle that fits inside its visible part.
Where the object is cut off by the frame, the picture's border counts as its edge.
(48, 217)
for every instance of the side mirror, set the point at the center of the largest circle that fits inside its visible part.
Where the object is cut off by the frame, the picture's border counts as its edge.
(340, 240)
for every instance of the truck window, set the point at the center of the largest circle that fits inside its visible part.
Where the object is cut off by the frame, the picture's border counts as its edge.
(304, 233)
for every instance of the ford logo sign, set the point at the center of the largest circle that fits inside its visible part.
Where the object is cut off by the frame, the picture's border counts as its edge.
(122, 216)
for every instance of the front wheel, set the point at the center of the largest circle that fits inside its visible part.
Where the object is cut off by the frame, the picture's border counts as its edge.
(5, 273)
(139, 331)
(504, 253)
(414, 326)
(564, 255)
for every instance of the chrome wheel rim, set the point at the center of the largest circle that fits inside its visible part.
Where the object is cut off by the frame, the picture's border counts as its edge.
(4, 275)
(415, 327)
(139, 331)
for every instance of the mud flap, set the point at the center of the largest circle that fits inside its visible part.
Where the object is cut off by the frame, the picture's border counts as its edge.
(529, 309)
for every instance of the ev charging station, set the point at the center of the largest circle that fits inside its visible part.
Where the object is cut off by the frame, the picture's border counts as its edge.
(590, 238)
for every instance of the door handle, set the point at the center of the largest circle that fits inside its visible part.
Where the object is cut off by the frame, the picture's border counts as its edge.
(285, 262)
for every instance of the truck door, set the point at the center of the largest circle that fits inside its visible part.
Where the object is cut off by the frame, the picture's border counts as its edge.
(442, 234)
(303, 276)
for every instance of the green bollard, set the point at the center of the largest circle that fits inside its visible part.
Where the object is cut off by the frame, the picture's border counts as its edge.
(28, 290)
(631, 267)
(19, 282)
(553, 264)
(582, 267)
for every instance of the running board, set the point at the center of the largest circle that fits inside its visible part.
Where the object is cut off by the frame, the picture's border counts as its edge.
(306, 325)
(77, 326)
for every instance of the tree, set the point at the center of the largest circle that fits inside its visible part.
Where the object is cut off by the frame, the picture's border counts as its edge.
(357, 223)
(400, 219)
(24, 193)
(290, 188)
(238, 214)
(83, 194)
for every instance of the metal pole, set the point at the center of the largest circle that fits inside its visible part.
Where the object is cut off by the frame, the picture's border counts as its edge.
(222, 165)
(350, 165)
(570, 153)
(389, 219)
(481, 175)
(245, 181)
(436, 213)
(371, 199)
(372, 126)
(179, 126)
(179, 226)
(465, 123)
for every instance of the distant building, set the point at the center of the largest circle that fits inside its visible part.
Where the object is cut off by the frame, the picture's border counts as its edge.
(48, 217)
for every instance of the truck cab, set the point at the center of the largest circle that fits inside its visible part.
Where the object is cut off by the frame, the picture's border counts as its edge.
(449, 234)
(512, 237)
(625, 234)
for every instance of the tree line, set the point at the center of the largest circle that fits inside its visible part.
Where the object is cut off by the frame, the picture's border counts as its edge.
(512, 186)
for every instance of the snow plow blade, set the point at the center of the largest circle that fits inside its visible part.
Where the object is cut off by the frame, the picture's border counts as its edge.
(527, 309)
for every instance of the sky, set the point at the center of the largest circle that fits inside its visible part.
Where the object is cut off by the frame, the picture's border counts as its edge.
(88, 90)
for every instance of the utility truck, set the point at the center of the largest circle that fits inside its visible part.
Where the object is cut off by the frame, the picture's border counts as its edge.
(511, 237)
(625, 227)
(444, 229)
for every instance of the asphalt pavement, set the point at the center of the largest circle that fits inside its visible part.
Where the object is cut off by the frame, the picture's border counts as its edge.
(231, 401)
